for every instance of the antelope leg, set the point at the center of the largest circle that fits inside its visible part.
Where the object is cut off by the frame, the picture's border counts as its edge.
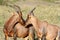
(6, 37)
(31, 33)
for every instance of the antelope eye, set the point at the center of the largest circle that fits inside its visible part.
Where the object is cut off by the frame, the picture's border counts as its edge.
(29, 16)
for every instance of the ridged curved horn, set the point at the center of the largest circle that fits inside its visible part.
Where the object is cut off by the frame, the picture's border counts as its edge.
(16, 7)
(31, 12)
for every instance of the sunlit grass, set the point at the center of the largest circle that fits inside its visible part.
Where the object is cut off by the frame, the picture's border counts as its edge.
(49, 0)
(49, 13)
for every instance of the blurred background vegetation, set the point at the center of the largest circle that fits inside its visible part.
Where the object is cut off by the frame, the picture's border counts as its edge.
(46, 10)
(2, 2)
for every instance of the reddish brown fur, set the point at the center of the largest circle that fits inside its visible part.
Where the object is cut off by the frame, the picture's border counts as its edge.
(15, 24)
(8, 27)
(21, 31)
(43, 27)
(10, 22)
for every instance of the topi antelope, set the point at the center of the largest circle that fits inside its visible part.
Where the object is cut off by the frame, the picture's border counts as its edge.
(16, 24)
(43, 28)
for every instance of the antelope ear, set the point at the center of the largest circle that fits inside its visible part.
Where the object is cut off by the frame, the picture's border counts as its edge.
(31, 12)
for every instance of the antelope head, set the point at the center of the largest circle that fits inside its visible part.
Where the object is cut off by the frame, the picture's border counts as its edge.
(19, 12)
(30, 17)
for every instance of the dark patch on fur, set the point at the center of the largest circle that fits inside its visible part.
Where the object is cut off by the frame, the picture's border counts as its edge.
(29, 25)
(15, 24)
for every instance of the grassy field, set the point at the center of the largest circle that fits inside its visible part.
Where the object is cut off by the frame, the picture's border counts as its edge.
(49, 12)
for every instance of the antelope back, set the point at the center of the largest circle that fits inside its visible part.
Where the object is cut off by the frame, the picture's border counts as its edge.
(9, 24)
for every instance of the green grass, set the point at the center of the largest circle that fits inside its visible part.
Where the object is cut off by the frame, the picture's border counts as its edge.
(1, 2)
(4, 2)
(49, 0)
(49, 13)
